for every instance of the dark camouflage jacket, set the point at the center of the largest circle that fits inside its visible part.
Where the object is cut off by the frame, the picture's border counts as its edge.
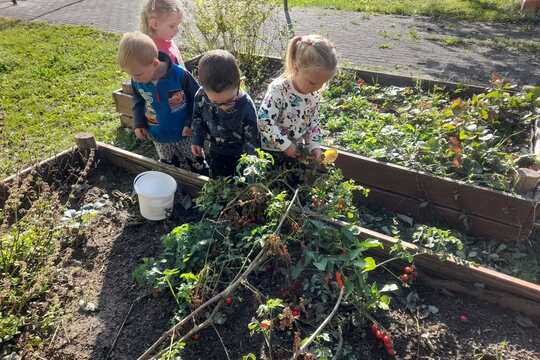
(231, 132)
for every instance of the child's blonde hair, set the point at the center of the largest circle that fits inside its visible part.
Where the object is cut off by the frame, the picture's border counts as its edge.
(158, 8)
(138, 47)
(310, 52)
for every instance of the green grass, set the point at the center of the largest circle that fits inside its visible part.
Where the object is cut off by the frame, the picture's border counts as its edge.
(56, 80)
(477, 10)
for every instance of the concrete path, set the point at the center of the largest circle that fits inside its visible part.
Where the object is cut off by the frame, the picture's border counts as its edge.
(418, 46)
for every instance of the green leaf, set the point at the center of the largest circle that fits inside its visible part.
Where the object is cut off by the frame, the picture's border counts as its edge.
(371, 243)
(297, 270)
(321, 264)
(189, 277)
(384, 302)
(369, 264)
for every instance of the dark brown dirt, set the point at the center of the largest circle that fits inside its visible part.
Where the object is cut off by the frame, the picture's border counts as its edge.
(99, 270)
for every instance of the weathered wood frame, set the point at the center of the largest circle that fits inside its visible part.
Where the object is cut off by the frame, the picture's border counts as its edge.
(477, 281)
(498, 288)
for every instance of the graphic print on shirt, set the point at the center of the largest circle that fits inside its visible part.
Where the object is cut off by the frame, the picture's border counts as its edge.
(150, 113)
(177, 100)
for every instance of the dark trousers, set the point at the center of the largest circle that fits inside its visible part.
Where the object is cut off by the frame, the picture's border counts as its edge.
(222, 165)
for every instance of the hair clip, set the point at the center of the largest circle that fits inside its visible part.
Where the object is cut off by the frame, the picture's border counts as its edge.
(306, 40)
(153, 5)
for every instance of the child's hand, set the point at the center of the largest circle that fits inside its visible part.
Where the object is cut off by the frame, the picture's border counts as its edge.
(197, 150)
(316, 153)
(291, 151)
(141, 134)
(187, 131)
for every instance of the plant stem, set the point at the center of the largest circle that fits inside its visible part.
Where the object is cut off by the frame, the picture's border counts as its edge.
(321, 327)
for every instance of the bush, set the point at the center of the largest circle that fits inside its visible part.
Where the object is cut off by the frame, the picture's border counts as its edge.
(239, 26)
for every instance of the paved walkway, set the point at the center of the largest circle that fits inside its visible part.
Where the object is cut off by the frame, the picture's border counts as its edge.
(445, 50)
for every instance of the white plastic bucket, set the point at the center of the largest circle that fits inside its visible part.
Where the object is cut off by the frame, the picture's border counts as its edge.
(155, 191)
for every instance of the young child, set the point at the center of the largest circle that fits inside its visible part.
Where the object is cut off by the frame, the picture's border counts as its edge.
(223, 113)
(160, 20)
(289, 113)
(163, 99)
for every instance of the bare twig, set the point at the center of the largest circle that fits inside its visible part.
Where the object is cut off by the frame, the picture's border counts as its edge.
(124, 324)
(229, 289)
(340, 344)
(222, 343)
(321, 327)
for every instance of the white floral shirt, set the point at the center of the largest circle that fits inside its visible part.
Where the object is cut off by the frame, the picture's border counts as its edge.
(287, 116)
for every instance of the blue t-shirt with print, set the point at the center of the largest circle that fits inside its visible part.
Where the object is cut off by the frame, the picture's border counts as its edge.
(165, 106)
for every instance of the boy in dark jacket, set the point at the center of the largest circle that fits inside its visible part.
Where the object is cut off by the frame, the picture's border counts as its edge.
(223, 114)
(163, 100)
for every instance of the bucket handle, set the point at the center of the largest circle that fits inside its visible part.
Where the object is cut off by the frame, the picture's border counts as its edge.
(139, 176)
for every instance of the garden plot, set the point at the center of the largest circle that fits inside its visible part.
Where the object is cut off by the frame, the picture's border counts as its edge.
(477, 139)
(403, 188)
(110, 241)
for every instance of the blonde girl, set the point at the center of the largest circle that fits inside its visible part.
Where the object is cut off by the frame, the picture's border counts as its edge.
(160, 20)
(289, 113)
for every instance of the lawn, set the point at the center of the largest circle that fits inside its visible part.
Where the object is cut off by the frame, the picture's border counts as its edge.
(478, 10)
(56, 81)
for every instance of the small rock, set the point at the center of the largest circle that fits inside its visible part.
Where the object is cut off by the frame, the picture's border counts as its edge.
(91, 307)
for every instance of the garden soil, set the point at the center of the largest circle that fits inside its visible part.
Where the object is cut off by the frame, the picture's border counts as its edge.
(96, 289)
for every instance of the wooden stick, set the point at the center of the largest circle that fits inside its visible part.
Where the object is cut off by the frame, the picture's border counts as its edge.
(321, 327)
(85, 141)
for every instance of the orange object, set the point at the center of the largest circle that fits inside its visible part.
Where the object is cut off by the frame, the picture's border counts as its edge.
(339, 280)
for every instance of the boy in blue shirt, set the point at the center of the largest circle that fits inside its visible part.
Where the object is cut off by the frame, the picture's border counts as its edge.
(163, 100)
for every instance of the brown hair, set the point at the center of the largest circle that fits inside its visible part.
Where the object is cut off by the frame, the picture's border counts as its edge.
(158, 8)
(218, 71)
(310, 52)
(136, 46)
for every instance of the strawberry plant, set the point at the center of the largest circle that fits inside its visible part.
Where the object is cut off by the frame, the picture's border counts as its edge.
(476, 139)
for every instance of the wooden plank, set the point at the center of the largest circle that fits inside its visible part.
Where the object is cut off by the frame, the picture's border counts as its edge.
(434, 214)
(126, 121)
(126, 87)
(124, 102)
(463, 271)
(477, 281)
(389, 79)
(135, 163)
(40, 167)
(500, 298)
(469, 199)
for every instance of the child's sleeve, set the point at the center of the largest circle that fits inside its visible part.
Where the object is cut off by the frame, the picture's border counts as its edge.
(313, 135)
(269, 112)
(190, 86)
(252, 138)
(139, 116)
(198, 125)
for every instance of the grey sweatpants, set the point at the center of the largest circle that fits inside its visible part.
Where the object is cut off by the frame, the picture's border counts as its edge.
(179, 154)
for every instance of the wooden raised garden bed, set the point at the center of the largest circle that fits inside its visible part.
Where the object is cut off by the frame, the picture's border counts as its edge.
(456, 277)
(475, 210)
